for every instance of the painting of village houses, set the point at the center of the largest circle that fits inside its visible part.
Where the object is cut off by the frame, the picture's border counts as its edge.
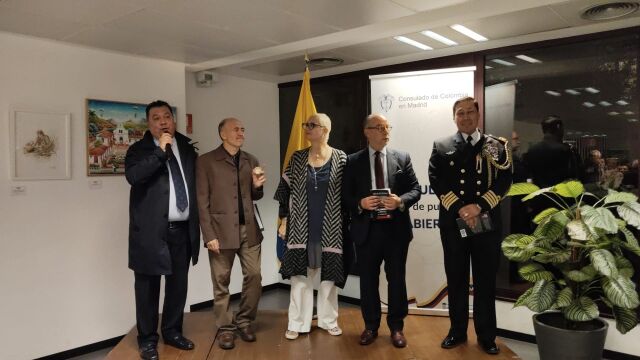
(111, 128)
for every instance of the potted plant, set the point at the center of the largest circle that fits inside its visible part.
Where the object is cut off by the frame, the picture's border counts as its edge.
(576, 259)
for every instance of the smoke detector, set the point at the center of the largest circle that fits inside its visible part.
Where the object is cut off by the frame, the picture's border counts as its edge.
(609, 11)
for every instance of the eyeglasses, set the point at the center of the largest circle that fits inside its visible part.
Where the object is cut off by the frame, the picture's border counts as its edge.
(380, 128)
(311, 126)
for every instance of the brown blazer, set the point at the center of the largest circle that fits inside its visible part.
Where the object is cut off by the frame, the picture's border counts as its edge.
(218, 201)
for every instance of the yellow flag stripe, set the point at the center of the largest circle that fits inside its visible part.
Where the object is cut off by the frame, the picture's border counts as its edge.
(306, 107)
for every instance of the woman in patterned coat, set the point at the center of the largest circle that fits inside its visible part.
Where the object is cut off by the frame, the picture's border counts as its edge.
(312, 224)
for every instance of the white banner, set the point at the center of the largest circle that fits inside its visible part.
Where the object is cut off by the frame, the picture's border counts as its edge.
(419, 107)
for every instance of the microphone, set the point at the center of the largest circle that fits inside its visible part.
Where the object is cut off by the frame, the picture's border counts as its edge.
(167, 147)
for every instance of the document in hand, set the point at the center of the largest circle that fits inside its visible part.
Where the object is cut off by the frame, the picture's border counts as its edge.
(483, 225)
(381, 213)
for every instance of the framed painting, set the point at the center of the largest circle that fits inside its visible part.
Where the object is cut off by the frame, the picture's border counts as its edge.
(40, 145)
(112, 127)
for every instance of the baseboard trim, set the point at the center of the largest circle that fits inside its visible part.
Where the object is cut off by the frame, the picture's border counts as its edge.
(83, 350)
(607, 354)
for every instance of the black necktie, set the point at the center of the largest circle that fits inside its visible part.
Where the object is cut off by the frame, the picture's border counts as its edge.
(469, 139)
(378, 171)
(178, 182)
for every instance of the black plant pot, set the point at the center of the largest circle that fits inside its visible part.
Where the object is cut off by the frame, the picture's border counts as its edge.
(555, 342)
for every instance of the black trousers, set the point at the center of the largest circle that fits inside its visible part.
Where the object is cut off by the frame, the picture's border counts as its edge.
(382, 246)
(484, 252)
(147, 290)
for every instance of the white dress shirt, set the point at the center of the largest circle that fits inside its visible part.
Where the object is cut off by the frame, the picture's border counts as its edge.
(174, 213)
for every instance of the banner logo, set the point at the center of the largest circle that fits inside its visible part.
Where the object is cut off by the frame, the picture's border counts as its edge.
(386, 101)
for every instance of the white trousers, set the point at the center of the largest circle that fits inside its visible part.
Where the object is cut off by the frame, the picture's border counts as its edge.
(301, 303)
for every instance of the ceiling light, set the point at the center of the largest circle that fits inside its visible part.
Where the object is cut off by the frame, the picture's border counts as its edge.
(553, 93)
(622, 102)
(528, 59)
(468, 32)
(632, 120)
(604, 103)
(572, 92)
(487, 67)
(613, 113)
(438, 37)
(591, 90)
(411, 42)
(588, 104)
(628, 112)
(503, 62)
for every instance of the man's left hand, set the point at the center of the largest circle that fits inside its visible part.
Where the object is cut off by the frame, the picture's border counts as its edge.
(391, 202)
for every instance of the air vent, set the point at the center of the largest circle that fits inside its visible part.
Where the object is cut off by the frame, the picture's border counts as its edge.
(610, 11)
(325, 62)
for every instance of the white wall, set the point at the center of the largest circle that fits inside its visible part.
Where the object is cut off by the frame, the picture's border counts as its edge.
(255, 103)
(63, 246)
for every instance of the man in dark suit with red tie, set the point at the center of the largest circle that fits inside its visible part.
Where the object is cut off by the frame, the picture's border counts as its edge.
(163, 227)
(377, 236)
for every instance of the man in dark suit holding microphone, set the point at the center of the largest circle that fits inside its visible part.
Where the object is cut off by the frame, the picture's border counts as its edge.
(163, 227)
(380, 225)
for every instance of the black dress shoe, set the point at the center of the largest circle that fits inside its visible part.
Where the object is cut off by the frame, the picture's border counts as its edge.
(180, 342)
(149, 352)
(451, 341)
(489, 347)
(397, 339)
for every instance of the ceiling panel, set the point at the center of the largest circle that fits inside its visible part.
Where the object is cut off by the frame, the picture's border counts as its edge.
(154, 25)
(261, 21)
(378, 49)
(518, 23)
(344, 14)
(36, 25)
(421, 5)
(77, 11)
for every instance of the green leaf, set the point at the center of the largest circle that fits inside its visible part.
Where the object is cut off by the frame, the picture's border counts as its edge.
(634, 249)
(522, 189)
(533, 272)
(630, 212)
(524, 298)
(515, 248)
(581, 309)
(542, 297)
(628, 235)
(625, 267)
(578, 230)
(537, 192)
(585, 274)
(626, 319)
(565, 297)
(600, 218)
(604, 262)
(553, 226)
(621, 291)
(544, 214)
(556, 257)
(619, 197)
(569, 189)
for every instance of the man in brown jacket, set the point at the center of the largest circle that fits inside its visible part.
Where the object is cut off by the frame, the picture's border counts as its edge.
(227, 181)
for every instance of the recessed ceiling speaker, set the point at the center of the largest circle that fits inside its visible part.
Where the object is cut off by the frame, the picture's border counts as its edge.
(609, 11)
(323, 62)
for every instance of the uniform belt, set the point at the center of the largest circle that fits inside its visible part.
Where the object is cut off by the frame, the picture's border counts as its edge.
(178, 224)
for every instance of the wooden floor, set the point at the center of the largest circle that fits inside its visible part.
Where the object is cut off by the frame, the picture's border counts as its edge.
(424, 334)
